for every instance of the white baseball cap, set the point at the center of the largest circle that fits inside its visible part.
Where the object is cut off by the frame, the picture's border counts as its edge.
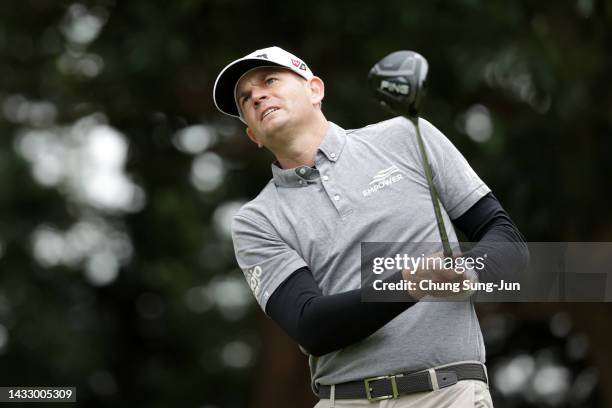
(224, 92)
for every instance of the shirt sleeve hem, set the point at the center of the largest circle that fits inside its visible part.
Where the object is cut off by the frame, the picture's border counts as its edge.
(285, 271)
(471, 199)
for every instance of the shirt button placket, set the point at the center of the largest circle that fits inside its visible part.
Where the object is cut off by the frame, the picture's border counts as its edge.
(330, 187)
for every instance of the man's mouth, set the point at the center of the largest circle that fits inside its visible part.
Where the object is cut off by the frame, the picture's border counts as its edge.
(268, 111)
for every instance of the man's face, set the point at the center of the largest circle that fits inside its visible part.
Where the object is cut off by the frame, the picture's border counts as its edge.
(273, 101)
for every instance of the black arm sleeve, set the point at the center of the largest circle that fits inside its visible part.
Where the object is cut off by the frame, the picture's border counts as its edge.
(487, 223)
(322, 324)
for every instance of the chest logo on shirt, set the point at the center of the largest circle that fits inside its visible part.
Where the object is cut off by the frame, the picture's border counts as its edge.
(382, 179)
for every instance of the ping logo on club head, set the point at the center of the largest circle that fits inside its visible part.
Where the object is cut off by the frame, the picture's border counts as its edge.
(393, 87)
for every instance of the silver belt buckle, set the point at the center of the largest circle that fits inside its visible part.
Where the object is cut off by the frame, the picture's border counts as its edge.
(368, 389)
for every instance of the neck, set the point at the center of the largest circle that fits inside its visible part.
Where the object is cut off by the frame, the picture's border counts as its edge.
(303, 144)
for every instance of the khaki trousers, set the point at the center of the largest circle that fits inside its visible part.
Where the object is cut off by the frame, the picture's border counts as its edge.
(464, 394)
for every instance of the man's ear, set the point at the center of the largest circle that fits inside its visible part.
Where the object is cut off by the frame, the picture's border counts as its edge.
(317, 90)
(253, 137)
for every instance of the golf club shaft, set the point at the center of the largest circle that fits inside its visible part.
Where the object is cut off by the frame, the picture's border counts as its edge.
(448, 252)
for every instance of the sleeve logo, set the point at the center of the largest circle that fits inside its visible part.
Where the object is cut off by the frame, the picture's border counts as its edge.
(253, 277)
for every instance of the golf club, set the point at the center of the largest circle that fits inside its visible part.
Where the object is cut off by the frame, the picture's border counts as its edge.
(398, 81)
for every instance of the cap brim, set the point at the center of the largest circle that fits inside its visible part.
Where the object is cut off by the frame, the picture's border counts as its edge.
(226, 83)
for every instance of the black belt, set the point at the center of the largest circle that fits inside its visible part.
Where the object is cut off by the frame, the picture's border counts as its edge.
(392, 386)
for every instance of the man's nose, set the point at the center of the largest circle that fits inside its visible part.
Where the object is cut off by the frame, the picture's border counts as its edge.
(259, 96)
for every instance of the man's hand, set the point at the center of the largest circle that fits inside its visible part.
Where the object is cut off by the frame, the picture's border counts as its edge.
(436, 277)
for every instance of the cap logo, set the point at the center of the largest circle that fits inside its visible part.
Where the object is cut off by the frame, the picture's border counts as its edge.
(298, 64)
(262, 56)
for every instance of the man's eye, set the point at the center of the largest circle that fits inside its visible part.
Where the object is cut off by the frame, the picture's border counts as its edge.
(245, 99)
(270, 80)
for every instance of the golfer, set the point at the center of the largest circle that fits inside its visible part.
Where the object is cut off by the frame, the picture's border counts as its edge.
(298, 242)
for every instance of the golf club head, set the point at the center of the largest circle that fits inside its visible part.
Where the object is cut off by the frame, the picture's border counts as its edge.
(398, 82)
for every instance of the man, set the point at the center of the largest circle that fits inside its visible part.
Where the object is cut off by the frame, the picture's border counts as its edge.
(298, 241)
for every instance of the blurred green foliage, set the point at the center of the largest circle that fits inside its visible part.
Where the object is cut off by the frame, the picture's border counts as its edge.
(520, 87)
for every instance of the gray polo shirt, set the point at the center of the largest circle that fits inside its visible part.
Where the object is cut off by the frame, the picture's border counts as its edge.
(368, 186)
